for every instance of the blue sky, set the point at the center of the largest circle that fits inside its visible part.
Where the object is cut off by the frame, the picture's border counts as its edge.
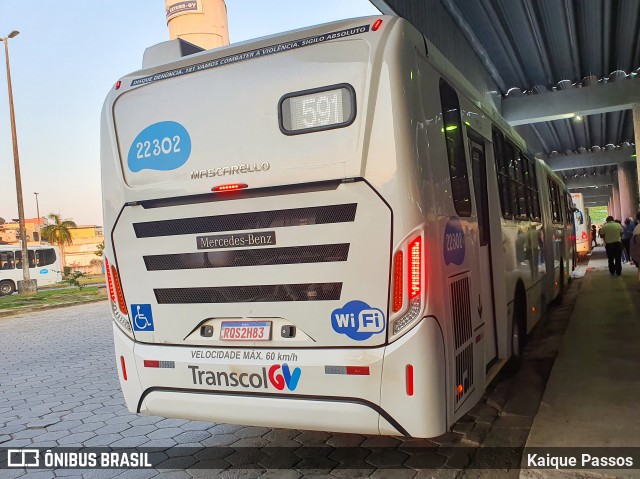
(63, 63)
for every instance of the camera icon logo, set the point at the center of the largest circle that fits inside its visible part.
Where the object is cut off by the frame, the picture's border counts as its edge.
(23, 458)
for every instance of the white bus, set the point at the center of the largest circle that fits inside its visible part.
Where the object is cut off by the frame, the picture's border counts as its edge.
(583, 226)
(44, 266)
(325, 229)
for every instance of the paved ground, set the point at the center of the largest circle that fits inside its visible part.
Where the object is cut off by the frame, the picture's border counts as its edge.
(58, 387)
(592, 394)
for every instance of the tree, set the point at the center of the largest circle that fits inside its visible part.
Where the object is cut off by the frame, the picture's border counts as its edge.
(58, 232)
(100, 250)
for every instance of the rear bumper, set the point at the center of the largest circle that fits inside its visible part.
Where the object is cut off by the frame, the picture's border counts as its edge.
(582, 247)
(302, 389)
(332, 414)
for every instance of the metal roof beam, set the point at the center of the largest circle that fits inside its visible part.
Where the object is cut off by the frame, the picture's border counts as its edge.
(590, 160)
(590, 193)
(590, 180)
(597, 200)
(562, 104)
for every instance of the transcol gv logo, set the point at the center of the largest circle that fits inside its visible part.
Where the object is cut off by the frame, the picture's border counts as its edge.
(278, 375)
(287, 378)
(358, 320)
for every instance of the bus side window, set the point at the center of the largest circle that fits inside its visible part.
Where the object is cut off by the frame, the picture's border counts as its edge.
(18, 256)
(452, 129)
(32, 259)
(511, 161)
(6, 260)
(501, 171)
(532, 185)
(47, 257)
(555, 207)
(558, 203)
(520, 179)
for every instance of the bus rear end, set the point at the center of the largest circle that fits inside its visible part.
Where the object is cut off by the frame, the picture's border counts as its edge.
(583, 225)
(249, 262)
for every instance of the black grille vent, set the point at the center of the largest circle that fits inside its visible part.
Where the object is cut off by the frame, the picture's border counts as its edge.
(464, 371)
(325, 253)
(250, 294)
(463, 335)
(247, 221)
(461, 309)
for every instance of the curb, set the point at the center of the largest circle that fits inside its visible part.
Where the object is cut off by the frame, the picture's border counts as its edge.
(32, 309)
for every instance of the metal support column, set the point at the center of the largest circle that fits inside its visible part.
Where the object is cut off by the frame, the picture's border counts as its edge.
(628, 190)
(636, 134)
(615, 193)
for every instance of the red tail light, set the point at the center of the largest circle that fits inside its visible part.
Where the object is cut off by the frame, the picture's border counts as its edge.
(229, 187)
(120, 295)
(584, 235)
(376, 25)
(415, 265)
(112, 294)
(397, 281)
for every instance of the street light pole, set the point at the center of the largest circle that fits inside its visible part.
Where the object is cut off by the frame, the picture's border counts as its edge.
(28, 285)
(39, 227)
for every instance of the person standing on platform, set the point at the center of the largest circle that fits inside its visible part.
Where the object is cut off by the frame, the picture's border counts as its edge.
(611, 232)
(594, 236)
(634, 246)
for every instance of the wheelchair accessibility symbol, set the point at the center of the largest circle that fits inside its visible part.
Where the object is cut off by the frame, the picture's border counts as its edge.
(142, 317)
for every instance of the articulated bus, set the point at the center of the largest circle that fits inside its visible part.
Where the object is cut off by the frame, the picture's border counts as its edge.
(325, 229)
(44, 266)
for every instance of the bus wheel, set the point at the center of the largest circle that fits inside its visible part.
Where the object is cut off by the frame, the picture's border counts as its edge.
(6, 288)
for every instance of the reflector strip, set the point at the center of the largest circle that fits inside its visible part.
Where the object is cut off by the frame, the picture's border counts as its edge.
(152, 363)
(124, 368)
(349, 370)
(376, 25)
(358, 370)
(409, 380)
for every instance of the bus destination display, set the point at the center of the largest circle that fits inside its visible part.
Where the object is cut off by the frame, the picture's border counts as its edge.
(317, 110)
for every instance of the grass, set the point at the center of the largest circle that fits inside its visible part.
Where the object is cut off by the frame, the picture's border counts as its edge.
(85, 281)
(53, 297)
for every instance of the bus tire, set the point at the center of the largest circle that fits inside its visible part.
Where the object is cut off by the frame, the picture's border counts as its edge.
(518, 328)
(7, 287)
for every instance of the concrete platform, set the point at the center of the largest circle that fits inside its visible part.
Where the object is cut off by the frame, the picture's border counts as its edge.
(592, 398)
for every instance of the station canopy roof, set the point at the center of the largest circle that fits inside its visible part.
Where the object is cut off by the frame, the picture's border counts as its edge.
(567, 70)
